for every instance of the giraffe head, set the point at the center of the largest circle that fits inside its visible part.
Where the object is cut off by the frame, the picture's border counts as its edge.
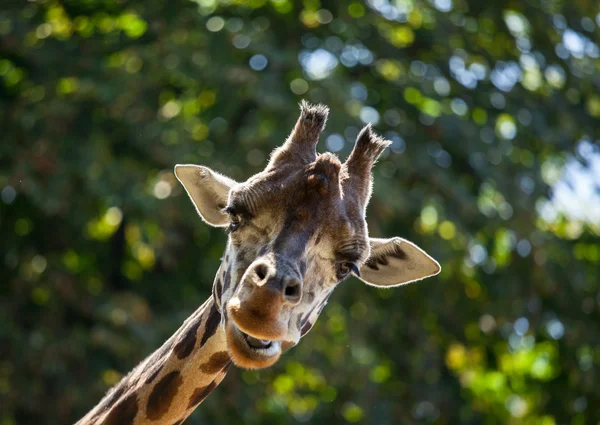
(296, 230)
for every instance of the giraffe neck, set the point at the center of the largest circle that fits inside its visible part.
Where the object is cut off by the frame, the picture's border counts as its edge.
(167, 386)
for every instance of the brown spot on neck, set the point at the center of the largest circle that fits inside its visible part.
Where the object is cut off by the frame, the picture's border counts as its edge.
(216, 363)
(124, 412)
(212, 323)
(162, 395)
(201, 393)
(154, 374)
(187, 341)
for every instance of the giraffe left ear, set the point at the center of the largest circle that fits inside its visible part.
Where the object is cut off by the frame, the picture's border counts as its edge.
(208, 191)
(396, 261)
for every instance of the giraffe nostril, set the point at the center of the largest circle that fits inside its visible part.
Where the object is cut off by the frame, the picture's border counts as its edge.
(292, 291)
(261, 271)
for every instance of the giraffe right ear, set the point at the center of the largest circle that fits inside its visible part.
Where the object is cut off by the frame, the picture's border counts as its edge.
(208, 191)
(396, 261)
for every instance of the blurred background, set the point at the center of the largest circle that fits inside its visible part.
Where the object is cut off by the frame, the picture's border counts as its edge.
(493, 109)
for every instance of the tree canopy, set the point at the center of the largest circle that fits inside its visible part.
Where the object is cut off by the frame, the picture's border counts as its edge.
(493, 109)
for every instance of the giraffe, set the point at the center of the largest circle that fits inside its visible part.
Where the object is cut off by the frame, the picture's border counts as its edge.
(295, 231)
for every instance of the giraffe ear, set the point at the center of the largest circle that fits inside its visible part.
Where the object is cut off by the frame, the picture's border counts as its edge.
(396, 261)
(208, 190)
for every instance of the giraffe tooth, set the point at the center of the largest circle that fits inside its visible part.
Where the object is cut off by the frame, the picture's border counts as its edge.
(257, 343)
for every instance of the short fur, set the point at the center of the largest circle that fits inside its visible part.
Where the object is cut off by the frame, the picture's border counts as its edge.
(301, 143)
(295, 231)
(357, 169)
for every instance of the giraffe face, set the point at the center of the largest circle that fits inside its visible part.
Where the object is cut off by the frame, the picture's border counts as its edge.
(296, 230)
(292, 238)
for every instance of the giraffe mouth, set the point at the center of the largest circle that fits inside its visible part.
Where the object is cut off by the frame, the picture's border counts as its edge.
(259, 344)
(263, 346)
(250, 352)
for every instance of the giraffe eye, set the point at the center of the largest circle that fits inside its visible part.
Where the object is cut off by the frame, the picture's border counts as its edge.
(234, 224)
(235, 220)
(344, 269)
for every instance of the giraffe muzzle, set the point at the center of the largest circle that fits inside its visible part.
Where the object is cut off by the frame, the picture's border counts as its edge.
(259, 312)
(254, 318)
(250, 352)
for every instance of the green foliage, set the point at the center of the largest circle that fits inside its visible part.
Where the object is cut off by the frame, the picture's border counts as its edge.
(493, 111)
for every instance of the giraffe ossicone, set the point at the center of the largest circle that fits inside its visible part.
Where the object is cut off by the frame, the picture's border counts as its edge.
(295, 231)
